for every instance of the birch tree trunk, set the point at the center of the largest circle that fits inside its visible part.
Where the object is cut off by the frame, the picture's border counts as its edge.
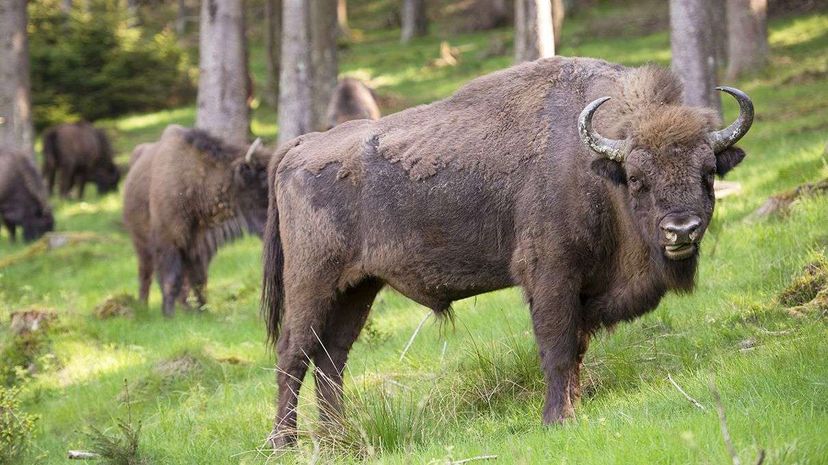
(747, 36)
(295, 105)
(223, 85)
(534, 31)
(414, 20)
(273, 50)
(15, 99)
(694, 57)
(558, 15)
(323, 58)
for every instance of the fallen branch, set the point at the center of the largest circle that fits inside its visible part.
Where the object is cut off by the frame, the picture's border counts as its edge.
(83, 455)
(472, 459)
(413, 336)
(686, 396)
(723, 423)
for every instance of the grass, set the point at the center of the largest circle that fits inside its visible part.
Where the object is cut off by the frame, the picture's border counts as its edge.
(202, 385)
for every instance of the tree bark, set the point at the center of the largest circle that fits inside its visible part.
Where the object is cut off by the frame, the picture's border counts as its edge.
(693, 52)
(273, 50)
(15, 93)
(414, 20)
(342, 18)
(747, 35)
(295, 105)
(223, 85)
(323, 58)
(534, 31)
(718, 31)
(558, 15)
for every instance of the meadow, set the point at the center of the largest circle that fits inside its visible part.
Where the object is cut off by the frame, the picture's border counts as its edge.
(202, 385)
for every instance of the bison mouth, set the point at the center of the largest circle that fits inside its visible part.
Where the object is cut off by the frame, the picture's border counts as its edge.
(680, 251)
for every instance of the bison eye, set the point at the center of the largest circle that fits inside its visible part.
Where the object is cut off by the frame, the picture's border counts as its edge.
(634, 182)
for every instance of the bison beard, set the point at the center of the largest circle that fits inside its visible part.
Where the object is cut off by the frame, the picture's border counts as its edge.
(505, 183)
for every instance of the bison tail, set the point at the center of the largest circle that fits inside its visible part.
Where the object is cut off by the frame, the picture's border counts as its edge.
(272, 301)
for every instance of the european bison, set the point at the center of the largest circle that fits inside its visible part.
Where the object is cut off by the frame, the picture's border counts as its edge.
(78, 153)
(184, 197)
(23, 200)
(352, 100)
(508, 182)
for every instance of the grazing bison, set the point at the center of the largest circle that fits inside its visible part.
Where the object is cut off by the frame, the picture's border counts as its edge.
(517, 179)
(351, 100)
(23, 199)
(78, 153)
(184, 197)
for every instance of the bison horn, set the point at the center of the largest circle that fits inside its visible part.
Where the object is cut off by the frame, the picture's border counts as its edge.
(612, 149)
(724, 138)
(253, 147)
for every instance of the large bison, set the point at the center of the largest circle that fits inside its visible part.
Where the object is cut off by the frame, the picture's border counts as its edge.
(23, 199)
(352, 100)
(185, 196)
(517, 179)
(78, 153)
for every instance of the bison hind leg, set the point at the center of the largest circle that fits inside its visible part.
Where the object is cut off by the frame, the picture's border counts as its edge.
(341, 330)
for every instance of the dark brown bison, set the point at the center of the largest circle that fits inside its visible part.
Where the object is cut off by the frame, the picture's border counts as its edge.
(352, 100)
(517, 179)
(23, 199)
(78, 153)
(184, 197)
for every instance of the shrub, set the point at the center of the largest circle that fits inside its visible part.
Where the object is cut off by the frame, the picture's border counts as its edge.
(16, 427)
(93, 64)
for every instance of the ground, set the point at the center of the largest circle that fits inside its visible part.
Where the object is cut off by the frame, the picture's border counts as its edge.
(202, 384)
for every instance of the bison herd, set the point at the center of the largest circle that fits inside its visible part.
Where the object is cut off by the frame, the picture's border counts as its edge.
(586, 183)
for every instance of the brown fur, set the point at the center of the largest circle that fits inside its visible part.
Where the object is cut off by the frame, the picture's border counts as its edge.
(489, 188)
(78, 153)
(352, 100)
(23, 199)
(184, 197)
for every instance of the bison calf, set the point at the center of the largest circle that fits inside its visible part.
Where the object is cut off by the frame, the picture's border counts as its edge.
(23, 200)
(352, 100)
(78, 153)
(184, 197)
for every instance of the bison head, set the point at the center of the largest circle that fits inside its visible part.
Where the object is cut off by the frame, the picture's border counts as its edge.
(106, 178)
(250, 184)
(666, 166)
(37, 223)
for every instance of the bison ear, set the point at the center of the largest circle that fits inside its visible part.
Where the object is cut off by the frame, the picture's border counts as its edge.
(727, 159)
(609, 169)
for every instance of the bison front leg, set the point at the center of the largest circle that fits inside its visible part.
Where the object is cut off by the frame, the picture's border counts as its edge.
(170, 278)
(554, 308)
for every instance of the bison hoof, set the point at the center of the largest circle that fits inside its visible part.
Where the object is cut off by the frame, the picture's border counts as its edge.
(279, 440)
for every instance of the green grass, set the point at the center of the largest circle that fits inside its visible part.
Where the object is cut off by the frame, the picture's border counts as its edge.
(202, 385)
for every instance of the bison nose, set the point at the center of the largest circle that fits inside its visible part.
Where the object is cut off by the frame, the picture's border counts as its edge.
(681, 229)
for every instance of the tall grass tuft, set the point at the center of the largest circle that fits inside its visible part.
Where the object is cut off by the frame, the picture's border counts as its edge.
(381, 418)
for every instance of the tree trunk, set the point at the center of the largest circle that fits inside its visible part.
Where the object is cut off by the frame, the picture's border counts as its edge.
(66, 6)
(693, 52)
(323, 58)
(534, 31)
(223, 85)
(558, 15)
(15, 99)
(718, 31)
(295, 105)
(747, 35)
(273, 50)
(414, 20)
(342, 18)
(181, 18)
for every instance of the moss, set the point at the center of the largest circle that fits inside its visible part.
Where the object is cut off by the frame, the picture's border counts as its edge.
(122, 305)
(807, 285)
